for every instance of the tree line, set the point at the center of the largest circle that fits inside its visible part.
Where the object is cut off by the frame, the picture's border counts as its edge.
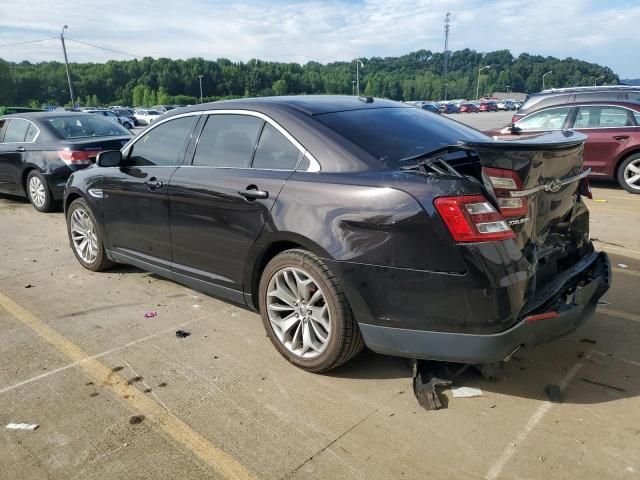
(415, 76)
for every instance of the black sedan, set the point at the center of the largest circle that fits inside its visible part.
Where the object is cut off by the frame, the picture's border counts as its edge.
(38, 151)
(348, 221)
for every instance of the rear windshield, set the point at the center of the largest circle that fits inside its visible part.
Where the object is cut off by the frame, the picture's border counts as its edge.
(85, 126)
(391, 134)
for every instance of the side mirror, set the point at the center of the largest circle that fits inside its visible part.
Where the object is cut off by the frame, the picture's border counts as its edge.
(109, 158)
(513, 130)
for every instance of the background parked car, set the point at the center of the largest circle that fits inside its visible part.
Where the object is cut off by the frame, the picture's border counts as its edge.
(559, 96)
(448, 108)
(612, 148)
(112, 115)
(489, 106)
(469, 108)
(146, 116)
(38, 151)
(127, 113)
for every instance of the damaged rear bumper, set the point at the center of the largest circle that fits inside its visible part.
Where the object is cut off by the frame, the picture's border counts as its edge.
(590, 283)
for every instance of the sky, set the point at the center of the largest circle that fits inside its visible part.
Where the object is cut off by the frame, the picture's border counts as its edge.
(600, 31)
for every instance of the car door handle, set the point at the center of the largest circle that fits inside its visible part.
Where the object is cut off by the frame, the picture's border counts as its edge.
(621, 137)
(20, 149)
(252, 194)
(153, 183)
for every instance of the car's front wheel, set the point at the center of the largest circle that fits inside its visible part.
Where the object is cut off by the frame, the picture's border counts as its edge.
(84, 235)
(306, 314)
(39, 192)
(629, 174)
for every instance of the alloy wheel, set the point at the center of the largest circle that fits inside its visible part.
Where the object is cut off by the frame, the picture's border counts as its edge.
(37, 192)
(298, 312)
(83, 235)
(632, 174)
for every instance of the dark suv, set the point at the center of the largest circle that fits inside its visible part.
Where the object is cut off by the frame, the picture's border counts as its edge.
(348, 221)
(559, 96)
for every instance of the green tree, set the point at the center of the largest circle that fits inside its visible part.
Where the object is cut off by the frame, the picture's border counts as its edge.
(279, 87)
(138, 95)
(8, 86)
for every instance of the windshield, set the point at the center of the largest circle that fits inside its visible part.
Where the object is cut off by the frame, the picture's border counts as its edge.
(85, 126)
(390, 134)
(153, 112)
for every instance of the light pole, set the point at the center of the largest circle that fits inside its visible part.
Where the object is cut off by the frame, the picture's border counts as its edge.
(478, 86)
(358, 65)
(446, 91)
(508, 88)
(66, 65)
(200, 78)
(353, 87)
(548, 73)
(595, 82)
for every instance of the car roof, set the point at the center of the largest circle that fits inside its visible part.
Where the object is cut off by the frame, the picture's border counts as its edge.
(619, 103)
(309, 104)
(591, 88)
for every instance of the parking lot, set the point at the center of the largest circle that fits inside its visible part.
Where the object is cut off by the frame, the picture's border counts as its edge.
(118, 395)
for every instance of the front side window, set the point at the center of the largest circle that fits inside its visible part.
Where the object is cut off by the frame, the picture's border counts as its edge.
(602, 117)
(163, 145)
(227, 141)
(552, 119)
(16, 131)
(275, 151)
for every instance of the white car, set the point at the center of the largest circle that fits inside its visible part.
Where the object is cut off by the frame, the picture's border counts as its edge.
(146, 116)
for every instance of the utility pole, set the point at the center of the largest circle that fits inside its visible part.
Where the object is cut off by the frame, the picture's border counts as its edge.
(478, 87)
(353, 87)
(358, 65)
(446, 90)
(548, 73)
(200, 78)
(595, 82)
(66, 64)
(447, 22)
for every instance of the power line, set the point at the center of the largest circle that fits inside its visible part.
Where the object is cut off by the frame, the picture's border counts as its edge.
(31, 41)
(103, 48)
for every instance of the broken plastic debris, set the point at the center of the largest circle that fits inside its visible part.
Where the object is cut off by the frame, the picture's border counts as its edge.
(466, 392)
(22, 426)
(182, 334)
(28, 285)
(151, 314)
(622, 265)
(603, 302)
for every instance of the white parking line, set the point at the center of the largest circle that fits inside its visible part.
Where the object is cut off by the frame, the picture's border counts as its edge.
(93, 357)
(496, 468)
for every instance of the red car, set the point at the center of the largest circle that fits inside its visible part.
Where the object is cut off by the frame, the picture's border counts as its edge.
(613, 130)
(488, 107)
(469, 108)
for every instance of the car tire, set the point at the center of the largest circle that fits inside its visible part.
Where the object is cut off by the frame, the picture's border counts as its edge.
(629, 169)
(39, 193)
(85, 237)
(317, 341)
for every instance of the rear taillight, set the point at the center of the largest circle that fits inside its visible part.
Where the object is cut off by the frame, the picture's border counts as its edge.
(585, 188)
(77, 157)
(504, 182)
(471, 218)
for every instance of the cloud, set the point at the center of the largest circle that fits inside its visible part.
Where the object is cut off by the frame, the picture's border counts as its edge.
(298, 30)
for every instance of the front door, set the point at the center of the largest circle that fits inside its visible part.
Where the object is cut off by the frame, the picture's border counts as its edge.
(221, 202)
(135, 201)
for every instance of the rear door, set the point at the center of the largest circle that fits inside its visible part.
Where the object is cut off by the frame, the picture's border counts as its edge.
(16, 140)
(609, 128)
(220, 203)
(135, 202)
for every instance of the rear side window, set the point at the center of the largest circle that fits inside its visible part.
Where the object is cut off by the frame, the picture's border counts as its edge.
(32, 131)
(85, 126)
(16, 131)
(275, 151)
(552, 119)
(602, 117)
(227, 141)
(163, 145)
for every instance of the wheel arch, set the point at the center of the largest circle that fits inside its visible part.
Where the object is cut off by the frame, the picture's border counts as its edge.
(623, 157)
(264, 251)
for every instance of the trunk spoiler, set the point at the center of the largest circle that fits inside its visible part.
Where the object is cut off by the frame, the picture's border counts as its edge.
(547, 141)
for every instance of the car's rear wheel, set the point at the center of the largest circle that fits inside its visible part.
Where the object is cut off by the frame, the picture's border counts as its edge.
(306, 314)
(86, 240)
(629, 174)
(39, 192)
